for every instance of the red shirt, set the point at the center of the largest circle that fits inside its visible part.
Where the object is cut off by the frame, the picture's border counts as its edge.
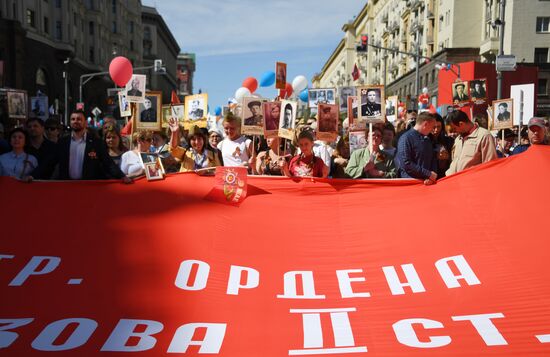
(306, 166)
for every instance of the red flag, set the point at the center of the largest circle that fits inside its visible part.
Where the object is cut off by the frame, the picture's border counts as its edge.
(356, 73)
(127, 130)
(175, 99)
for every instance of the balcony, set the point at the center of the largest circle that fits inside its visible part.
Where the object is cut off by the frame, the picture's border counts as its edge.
(489, 46)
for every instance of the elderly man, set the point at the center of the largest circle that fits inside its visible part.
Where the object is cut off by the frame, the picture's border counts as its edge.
(473, 145)
(537, 131)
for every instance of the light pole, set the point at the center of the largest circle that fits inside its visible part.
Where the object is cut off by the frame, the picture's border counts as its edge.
(85, 78)
(66, 78)
(417, 71)
(500, 23)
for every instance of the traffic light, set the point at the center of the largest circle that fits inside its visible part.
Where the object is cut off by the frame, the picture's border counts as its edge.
(364, 46)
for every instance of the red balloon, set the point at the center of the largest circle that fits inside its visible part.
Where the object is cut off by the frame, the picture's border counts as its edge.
(121, 70)
(287, 92)
(251, 84)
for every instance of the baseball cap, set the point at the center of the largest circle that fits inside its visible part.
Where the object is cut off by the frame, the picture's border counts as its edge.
(536, 122)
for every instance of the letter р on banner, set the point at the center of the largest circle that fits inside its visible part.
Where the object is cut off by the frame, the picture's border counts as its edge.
(229, 186)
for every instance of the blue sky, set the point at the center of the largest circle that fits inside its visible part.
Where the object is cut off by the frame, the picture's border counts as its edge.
(236, 39)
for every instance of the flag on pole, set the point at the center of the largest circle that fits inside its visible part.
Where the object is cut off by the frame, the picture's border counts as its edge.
(355, 73)
(175, 99)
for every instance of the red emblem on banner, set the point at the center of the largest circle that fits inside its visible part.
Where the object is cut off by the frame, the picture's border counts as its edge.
(229, 185)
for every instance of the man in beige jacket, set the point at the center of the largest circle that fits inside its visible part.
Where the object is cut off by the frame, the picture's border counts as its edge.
(474, 145)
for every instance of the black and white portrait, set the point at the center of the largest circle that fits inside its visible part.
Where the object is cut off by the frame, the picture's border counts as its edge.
(149, 112)
(196, 106)
(287, 119)
(372, 103)
(503, 116)
(460, 92)
(135, 89)
(39, 107)
(124, 105)
(345, 92)
(17, 104)
(478, 90)
(391, 108)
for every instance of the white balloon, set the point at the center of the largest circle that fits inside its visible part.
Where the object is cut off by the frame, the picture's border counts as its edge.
(299, 84)
(241, 93)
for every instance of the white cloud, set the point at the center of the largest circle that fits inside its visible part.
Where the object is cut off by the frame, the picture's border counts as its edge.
(216, 27)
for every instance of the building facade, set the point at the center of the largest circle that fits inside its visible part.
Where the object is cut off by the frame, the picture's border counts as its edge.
(159, 43)
(39, 40)
(186, 65)
(450, 31)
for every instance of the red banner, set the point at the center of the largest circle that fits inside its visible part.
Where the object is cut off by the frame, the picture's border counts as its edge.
(301, 267)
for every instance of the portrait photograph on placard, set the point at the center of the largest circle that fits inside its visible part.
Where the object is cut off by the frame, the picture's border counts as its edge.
(391, 108)
(327, 123)
(357, 140)
(39, 107)
(153, 172)
(503, 114)
(460, 92)
(135, 89)
(17, 104)
(253, 122)
(478, 91)
(344, 93)
(124, 104)
(287, 121)
(178, 112)
(196, 110)
(149, 112)
(166, 115)
(280, 75)
(320, 95)
(272, 114)
(372, 104)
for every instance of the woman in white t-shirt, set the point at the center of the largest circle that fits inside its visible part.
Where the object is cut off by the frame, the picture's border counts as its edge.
(131, 163)
(236, 149)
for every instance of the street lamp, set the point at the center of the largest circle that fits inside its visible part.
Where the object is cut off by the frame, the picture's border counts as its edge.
(65, 77)
(158, 67)
(500, 23)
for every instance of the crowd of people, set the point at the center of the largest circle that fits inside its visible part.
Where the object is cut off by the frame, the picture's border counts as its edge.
(421, 146)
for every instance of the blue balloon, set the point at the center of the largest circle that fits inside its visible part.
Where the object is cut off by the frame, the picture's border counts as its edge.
(267, 79)
(218, 111)
(303, 95)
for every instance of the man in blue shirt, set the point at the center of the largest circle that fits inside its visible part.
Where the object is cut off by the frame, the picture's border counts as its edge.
(537, 135)
(415, 151)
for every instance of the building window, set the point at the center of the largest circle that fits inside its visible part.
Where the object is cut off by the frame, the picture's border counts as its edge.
(91, 28)
(543, 24)
(46, 25)
(74, 18)
(30, 18)
(91, 55)
(147, 33)
(113, 6)
(113, 28)
(131, 45)
(541, 55)
(542, 89)
(58, 30)
(131, 29)
(58, 4)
